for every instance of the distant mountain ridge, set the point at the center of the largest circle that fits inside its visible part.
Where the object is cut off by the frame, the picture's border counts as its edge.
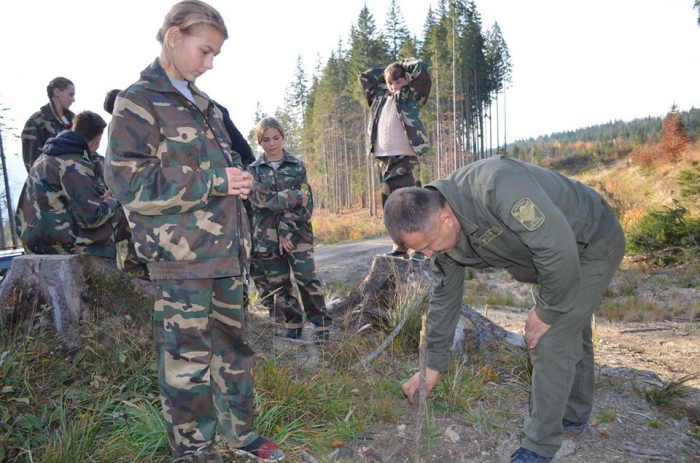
(599, 143)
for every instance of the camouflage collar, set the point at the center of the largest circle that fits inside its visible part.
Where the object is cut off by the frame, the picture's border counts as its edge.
(49, 115)
(286, 158)
(154, 78)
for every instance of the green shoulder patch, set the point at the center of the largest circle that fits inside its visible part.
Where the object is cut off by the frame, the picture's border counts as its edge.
(492, 233)
(527, 214)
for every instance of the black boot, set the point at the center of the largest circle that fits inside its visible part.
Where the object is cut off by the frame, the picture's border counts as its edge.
(292, 334)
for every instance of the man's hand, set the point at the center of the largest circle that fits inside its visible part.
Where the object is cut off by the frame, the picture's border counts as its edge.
(410, 387)
(108, 194)
(304, 199)
(285, 245)
(239, 182)
(534, 329)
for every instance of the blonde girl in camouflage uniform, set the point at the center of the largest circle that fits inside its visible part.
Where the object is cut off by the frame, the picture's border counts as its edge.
(170, 164)
(49, 121)
(283, 240)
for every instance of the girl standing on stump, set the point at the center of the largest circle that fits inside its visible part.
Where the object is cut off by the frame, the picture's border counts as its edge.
(283, 240)
(170, 164)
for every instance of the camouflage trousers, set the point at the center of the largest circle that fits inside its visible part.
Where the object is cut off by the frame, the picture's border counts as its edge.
(204, 363)
(257, 274)
(300, 263)
(398, 172)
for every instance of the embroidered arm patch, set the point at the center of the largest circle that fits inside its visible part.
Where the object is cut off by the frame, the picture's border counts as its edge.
(492, 233)
(527, 214)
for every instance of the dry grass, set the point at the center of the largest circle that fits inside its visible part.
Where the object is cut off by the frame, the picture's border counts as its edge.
(634, 190)
(348, 225)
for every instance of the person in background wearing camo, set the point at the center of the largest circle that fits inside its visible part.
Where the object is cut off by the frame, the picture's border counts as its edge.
(283, 239)
(49, 121)
(170, 163)
(240, 145)
(395, 133)
(543, 228)
(63, 209)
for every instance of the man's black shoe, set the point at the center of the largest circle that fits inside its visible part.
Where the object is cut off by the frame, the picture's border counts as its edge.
(523, 455)
(292, 334)
(395, 253)
(576, 429)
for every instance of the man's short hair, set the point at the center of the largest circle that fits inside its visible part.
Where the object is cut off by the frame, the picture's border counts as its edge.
(89, 125)
(110, 98)
(411, 210)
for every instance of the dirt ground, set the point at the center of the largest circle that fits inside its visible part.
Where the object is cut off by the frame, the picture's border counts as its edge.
(629, 357)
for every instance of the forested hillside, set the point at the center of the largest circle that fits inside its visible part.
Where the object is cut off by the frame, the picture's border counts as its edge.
(600, 143)
(466, 116)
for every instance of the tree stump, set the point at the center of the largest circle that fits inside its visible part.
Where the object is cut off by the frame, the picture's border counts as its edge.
(72, 287)
(377, 293)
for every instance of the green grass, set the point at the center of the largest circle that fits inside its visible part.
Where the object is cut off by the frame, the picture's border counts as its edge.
(101, 402)
(607, 415)
(103, 405)
(668, 391)
(655, 423)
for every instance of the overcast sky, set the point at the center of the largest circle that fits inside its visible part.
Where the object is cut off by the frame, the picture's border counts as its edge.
(575, 63)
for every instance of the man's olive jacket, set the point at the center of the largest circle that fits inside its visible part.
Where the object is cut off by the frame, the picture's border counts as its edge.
(533, 222)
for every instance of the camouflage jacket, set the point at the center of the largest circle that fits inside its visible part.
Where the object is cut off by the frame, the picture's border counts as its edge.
(166, 163)
(408, 102)
(38, 129)
(276, 201)
(99, 163)
(61, 210)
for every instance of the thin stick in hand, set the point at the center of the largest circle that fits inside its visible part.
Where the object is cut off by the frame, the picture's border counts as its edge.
(422, 354)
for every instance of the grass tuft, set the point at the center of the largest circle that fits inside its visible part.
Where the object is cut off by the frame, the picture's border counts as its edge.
(668, 392)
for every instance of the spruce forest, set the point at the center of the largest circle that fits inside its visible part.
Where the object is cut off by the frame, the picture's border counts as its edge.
(326, 119)
(326, 115)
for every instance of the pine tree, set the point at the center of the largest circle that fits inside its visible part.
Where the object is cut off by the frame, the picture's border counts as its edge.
(675, 137)
(409, 48)
(499, 68)
(298, 94)
(395, 31)
(252, 138)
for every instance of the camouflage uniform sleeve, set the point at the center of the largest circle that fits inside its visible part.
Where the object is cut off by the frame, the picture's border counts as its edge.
(31, 143)
(99, 165)
(369, 83)
(278, 202)
(421, 82)
(136, 175)
(292, 219)
(85, 203)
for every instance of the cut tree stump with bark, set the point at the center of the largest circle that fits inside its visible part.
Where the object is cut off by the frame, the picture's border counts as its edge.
(72, 288)
(370, 302)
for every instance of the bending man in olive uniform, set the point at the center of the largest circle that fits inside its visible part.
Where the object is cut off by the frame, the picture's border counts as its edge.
(543, 228)
(63, 208)
(396, 133)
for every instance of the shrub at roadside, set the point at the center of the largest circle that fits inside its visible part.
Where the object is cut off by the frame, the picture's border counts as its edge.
(666, 237)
